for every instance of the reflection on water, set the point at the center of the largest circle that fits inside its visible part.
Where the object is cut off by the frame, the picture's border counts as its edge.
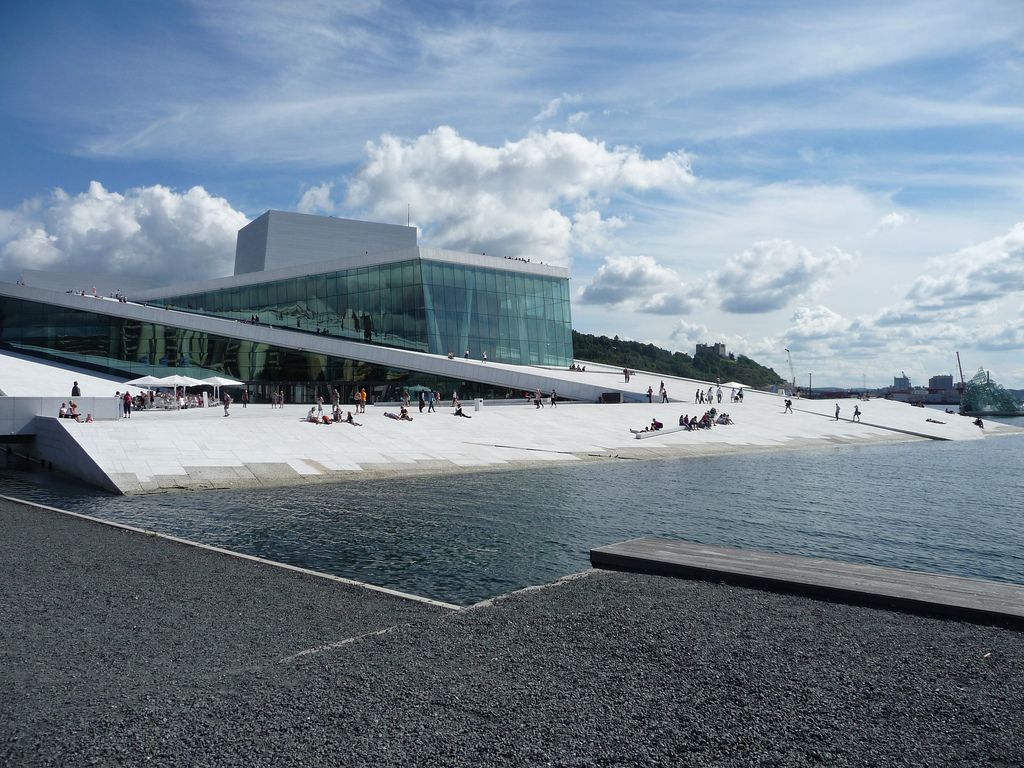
(946, 507)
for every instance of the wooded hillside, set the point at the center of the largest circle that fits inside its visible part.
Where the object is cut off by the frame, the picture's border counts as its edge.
(707, 366)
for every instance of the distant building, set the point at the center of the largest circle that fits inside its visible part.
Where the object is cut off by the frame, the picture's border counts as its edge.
(940, 383)
(717, 348)
(901, 383)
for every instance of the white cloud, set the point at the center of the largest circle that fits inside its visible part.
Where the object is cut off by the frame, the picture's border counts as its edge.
(318, 199)
(820, 322)
(639, 284)
(890, 221)
(981, 273)
(519, 199)
(773, 273)
(552, 107)
(185, 235)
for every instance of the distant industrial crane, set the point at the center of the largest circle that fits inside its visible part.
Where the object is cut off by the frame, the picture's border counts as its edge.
(792, 373)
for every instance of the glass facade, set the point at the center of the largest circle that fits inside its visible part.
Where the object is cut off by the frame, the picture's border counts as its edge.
(130, 348)
(418, 304)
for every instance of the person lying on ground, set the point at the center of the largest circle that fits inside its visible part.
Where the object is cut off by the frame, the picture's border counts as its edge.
(326, 419)
(458, 412)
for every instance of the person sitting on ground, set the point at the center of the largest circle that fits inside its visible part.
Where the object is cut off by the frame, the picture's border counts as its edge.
(88, 418)
(656, 425)
(403, 414)
(458, 412)
(979, 423)
(311, 416)
(63, 412)
(350, 420)
(326, 419)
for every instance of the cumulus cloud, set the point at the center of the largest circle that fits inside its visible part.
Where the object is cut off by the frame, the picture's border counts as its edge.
(639, 284)
(1003, 337)
(518, 199)
(686, 335)
(318, 199)
(145, 228)
(818, 322)
(986, 272)
(773, 273)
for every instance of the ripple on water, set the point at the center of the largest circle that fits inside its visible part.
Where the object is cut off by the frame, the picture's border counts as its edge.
(944, 507)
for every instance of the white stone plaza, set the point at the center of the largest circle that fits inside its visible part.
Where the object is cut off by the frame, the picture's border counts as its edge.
(259, 445)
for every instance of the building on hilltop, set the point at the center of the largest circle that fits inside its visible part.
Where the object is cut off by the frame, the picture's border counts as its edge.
(350, 285)
(718, 348)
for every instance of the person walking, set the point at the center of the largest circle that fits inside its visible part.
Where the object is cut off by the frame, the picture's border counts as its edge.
(245, 397)
(320, 405)
(430, 402)
(554, 398)
(362, 400)
(789, 406)
(856, 413)
(226, 400)
(483, 356)
(422, 401)
(837, 411)
(127, 405)
(664, 393)
(650, 395)
(625, 372)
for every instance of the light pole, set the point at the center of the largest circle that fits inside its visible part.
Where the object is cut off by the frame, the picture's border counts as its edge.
(810, 379)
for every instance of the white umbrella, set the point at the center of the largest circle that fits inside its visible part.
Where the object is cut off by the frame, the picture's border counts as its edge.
(736, 385)
(175, 381)
(220, 381)
(143, 381)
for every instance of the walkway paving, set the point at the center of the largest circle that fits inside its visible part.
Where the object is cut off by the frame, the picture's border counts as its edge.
(124, 649)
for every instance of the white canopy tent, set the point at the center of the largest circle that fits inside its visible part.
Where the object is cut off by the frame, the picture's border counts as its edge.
(220, 381)
(144, 382)
(177, 380)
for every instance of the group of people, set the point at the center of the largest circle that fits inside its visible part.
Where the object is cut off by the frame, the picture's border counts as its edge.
(580, 368)
(334, 417)
(69, 410)
(707, 421)
(538, 399)
(701, 397)
(402, 415)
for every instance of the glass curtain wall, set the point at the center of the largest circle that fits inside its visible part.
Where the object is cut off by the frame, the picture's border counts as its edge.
(379, 305)
(511, 316)
(428, 306)
(130, 348)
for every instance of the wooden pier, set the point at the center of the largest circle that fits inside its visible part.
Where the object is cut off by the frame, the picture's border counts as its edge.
(931, 593)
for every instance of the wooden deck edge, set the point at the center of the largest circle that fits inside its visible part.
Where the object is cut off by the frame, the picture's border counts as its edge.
(600, 558)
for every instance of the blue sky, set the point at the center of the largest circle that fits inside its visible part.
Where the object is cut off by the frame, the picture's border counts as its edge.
(847, 181)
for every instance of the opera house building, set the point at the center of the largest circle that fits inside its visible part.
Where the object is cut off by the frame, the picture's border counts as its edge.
(314, 303)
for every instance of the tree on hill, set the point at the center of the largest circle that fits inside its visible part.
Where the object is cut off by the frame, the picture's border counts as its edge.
(706, 366)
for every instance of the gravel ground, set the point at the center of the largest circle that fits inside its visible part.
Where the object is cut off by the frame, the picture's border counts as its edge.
(123, 649)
